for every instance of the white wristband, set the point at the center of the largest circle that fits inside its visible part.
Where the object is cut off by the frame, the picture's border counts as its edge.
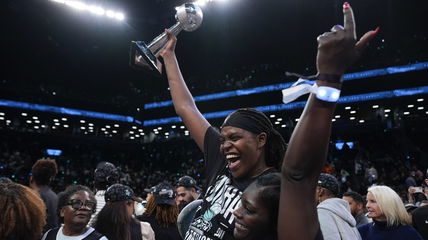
(301, 87)
(327, 94)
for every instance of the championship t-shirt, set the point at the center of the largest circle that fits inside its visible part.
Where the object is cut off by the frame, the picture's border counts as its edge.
(214, 218)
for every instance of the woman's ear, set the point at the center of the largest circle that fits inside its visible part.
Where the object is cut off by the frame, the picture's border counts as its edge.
(262, 139)
(61, 213)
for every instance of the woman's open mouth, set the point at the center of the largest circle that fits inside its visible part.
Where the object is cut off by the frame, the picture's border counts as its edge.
(233, 160)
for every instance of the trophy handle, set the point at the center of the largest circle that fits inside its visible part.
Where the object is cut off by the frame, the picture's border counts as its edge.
(146, 54)
(160, 41)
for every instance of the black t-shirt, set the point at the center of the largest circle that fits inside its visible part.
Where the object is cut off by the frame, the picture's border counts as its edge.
(214, 218)
(161, 233)
(51, 201)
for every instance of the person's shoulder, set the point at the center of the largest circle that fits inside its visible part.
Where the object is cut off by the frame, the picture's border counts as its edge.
(364, 227)
(145, 218)
(91, 233)
(145, 224)
(408, 228)
(211, 133)
(421, 211)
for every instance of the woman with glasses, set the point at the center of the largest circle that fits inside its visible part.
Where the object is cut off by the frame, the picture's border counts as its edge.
(75, 208)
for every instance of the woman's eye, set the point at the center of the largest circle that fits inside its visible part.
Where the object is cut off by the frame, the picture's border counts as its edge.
(234, 138)
(248, 210)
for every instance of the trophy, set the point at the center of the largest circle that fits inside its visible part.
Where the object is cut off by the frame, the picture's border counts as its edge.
(144, 56)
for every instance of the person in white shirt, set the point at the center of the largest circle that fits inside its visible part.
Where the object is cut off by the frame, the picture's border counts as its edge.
(75, 204)
(105, 175)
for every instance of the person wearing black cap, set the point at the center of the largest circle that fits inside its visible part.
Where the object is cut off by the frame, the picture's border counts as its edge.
(105, 175)
(336, 220)
(187, 191)
(162, 212)
(116, 219)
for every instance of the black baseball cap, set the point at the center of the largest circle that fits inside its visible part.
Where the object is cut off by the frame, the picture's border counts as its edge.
(106, 172)
(149, 190)
(164, 193)
(119, 192)
(186, 181)
(329, 182)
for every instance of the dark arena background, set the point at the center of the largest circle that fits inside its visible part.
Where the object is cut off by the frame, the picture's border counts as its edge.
(67, 91)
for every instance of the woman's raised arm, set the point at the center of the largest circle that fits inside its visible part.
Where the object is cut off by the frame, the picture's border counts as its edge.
(307, 149)
(184, 104)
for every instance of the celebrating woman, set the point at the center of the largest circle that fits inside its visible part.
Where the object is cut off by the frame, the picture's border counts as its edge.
(246, 148)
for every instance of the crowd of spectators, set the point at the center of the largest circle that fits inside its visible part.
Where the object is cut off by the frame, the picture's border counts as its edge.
(391, 157)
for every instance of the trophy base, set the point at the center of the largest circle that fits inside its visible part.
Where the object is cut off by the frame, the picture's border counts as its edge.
(140, 57)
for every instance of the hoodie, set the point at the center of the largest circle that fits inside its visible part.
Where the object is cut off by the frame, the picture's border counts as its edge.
(336, 220)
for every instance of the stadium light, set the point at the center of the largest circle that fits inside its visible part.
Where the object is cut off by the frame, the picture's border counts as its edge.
(97, 10)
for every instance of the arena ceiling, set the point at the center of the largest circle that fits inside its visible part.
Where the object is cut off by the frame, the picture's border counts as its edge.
(48, 46)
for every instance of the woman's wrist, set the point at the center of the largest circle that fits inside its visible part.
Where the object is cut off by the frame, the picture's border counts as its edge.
(330, 80)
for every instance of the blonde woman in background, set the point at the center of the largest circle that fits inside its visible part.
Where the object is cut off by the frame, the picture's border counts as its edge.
(390, 218)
